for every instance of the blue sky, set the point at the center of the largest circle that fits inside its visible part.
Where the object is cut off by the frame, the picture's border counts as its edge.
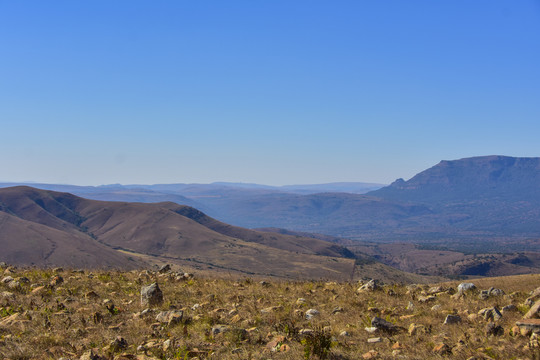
(273, 92)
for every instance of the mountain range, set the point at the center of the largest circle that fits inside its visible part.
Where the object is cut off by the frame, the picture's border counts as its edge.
(47, 228)
(487, 204)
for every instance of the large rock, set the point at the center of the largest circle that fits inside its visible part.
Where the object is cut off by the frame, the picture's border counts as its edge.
(528, 326)
(463, 287)
(452, 319)
(535, 295)
(534, 311)
(490, 314)
(151, 295)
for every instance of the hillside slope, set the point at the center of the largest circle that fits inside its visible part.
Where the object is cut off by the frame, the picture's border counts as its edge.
(162, 230)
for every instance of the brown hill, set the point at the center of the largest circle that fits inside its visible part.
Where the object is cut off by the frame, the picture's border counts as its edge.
(52, 228)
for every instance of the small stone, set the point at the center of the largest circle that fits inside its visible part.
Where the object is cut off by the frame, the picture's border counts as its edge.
(57, 280)
(344, 333)
(171, 317)
(442, 349)
(91, 355)
(490, 314)
(7, 280)
(218, 329)
(509, 308)
(371, 354)
(493, 329)
(91, 295)
(384, 325)
(311, 313)
(495, 292)
(415, 329)
(436, 307)
(374, 340)
(426, 299)
(371, 285)
(164, 269)
(119, 344)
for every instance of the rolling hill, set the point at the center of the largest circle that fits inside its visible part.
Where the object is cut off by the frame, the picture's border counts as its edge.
(42, 227)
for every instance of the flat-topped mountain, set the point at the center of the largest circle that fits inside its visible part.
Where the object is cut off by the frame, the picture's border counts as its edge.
(484, 177)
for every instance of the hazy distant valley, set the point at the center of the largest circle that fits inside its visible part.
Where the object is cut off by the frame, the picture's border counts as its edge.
(474, 216)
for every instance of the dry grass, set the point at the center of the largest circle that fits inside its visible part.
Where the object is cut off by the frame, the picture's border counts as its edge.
(265, 321)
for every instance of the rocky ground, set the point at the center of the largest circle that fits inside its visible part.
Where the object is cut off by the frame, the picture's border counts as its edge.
(76, 314)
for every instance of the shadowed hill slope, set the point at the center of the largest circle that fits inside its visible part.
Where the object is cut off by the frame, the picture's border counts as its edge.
(162, 230)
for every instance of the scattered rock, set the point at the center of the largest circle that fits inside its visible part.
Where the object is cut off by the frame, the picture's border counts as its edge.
(495, 292)
(151, 295)
(464, 287)
(452, 319)
(219, 329)
(371, 354)
(490, 314)
(415, 329)
(56, 280)
(164, 269)
(534, 295)
(493, 329)
(426, 299)
(371, 285)
(385, 326)
(374, 340)
(534, 311)
(91, 295)
(442, 349)
(528, 326)
(311, 313)
(171, 317)
(509, 308)
(118, 344)
(91, 355)
(7, 280)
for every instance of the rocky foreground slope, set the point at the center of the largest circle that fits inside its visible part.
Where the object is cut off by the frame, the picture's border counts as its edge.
(66, 314)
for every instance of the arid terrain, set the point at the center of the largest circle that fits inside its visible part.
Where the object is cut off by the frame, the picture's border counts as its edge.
(82, 314)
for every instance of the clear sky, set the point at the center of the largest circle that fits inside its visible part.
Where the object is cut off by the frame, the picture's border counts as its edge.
(273, 92)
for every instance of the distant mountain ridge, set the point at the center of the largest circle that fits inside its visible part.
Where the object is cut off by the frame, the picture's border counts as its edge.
(484, 177)
(477, 204)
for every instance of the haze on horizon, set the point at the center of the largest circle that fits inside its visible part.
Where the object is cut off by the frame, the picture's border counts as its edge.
(275, 93)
